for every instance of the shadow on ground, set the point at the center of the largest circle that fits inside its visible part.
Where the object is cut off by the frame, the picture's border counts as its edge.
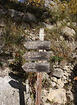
(74, 87)
(17, 84)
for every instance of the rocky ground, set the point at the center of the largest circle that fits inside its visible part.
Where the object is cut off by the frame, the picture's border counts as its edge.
(59, 87)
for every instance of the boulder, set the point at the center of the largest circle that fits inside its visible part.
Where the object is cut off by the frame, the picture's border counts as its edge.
(8, 95)
(70, 95)
(29, 17)
(4, 71)
(58, 72)
(60, 83)
(57, 96)
(50, 4)
(12, 92)
(49, 26)
(68, 32)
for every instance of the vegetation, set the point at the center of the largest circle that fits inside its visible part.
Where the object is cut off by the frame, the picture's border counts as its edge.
(16, 32)
(73, 6)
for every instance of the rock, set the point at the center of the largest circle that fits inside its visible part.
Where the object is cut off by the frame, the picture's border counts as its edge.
(61, 38)
(64, 80)
(3, 12)
(50, 4)
(67, 70)
(74, 23)
(72, 46)
(45, 76)
(54, 79)
(60, 83)
(4, 72)
(8, 95)
(47, 104)
(53, 84)
(49, 26)
(64, 77)
(2, 24)
(15, 14)
(74, 55)
(27, 86)
(12, 92)
(44, 94)
(18, 16)
(70, 95)
(57, 72)
(68, 32)
(59, 24)
(63, 63)
(57, 96)
(29, 17)
(68, 24)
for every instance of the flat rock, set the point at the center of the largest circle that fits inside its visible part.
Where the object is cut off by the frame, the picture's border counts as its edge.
(49, 26)
(57, 96)
(8, 95)
(12, 92)
(60, 83)
(68, 31)
(58, 72)
(4, 72)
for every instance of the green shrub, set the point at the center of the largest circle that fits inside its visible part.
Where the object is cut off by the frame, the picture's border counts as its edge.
(56, 59)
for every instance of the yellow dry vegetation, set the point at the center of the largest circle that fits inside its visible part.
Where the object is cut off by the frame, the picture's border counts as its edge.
(36, 2)
(73, 6)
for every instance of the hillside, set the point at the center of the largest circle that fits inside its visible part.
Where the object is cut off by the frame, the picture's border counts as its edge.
(21, 22)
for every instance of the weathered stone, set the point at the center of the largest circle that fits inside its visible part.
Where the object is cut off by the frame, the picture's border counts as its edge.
(59, 23)
(44, 94)
(68, 32)
(45, 76)
(54, 79)
(57, 72)
(60, 83)
(4, 72)
(8, 95)
(63, 63)
(12, 92)
(28, 17)
(61, 38)
(70, 95)
(66, 74)
(53, 84)
(48, 4)
(72, 46)
(49, 26)
(57, 96)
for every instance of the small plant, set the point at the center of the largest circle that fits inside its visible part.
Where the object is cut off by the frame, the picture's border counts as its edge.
(1, 64)
(56, 58)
